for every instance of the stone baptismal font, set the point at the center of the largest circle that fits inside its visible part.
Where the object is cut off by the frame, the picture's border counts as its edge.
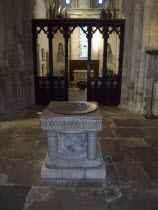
(73, 150)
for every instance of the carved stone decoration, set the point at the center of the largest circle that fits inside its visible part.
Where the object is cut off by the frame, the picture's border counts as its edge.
(73, 151)
(72, 107)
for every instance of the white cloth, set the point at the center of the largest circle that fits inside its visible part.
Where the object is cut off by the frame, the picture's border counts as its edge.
(81, 75)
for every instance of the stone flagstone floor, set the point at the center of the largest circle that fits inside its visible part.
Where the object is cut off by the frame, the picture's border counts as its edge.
(130, 150)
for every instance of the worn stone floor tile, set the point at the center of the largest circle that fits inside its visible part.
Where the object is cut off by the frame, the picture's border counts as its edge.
(4, 140)
(69, 183)
(146, 200)
(111, 177)
(148, 158)
(112, 194)
(107, 115)
(106, 133)
(20, 147)
(129, 155)
(138, 179)
(20, 172)
(31, 112)
(89, 192)
(150, 123)
(31, 122)
(130, 115)
(37, 194)
(135, 200)
(77, 95)
(5, 136)
(132, 142)
(153, 132)
(120, 169)
(156, 149)
(6, 131)
(29, 131)
(152, 141)
(41, 151)
(124, 114)
(89, 184)
(3, 179)
(24, 173)
(122, 176)
(66, 199)
(128, 123)
(123, 202)
(13, 197)
(111, 148)
(108, 123)
(152, 171)
(111, 108)
(124, 182)
(130, 132)
(146, 154)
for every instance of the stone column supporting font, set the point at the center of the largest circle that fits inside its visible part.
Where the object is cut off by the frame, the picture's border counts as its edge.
(92, 145)
(52, 146)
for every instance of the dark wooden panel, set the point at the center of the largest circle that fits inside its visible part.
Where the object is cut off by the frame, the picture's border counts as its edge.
(44, 90)
(78, 22)
(50, 89)
(82, 65)
(60, 92)
(104, 91)
(95, 90)
(111, 92)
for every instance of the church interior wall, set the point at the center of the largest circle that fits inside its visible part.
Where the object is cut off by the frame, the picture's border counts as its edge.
(16, 66)
(140, 35)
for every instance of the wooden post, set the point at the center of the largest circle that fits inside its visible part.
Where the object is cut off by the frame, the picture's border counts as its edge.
(121, 36)
(89, 36)
(66, 37)
(50, 37)
(34, 48)
(105, 37)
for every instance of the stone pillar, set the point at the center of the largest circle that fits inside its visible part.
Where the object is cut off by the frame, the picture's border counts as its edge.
(141, 34)
(152, 7)
(92, 145)
(52, 146)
